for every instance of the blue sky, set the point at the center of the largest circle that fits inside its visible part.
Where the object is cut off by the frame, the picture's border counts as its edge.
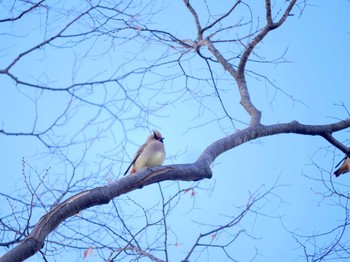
(314, 82)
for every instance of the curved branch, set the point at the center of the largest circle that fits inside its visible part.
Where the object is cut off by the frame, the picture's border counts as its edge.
(239, 73)
(253, 132)
(47, 41)
(195, 16)
(240, 78)
(183, 172)
(223, 16)
(23, 13)
(270, 25)
(99, 196)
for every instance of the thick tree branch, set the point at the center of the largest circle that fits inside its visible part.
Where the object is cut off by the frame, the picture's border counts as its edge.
(196, 18)
(253, 132)
(270, 25)
(99, 196)
(91, 34)
(240, 78)
(239, 73)
(184, 172)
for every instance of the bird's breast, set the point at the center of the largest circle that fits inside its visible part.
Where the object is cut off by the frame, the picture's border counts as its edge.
(152, 155)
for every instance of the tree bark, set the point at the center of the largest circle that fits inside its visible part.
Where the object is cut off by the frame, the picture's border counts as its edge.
(183, 172)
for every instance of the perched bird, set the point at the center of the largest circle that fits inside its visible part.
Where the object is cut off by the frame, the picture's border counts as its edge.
(151, 153)
(345, 167)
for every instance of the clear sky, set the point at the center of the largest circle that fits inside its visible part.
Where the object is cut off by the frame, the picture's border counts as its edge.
(312, 83)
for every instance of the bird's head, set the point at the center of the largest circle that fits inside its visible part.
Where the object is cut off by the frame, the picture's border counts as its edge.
(157, 136)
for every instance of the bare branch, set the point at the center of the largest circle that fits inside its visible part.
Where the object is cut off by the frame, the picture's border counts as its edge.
(253, 132)
(22, 13)
(188, 172)
(7, 69)
(196, 19)
(112, 88)
(223, 16)
(263, 33)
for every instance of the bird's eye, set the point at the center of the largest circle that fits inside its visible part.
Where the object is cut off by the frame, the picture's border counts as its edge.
(155, 136)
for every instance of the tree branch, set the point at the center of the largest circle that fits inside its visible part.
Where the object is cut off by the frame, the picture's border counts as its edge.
(183, 172)
(253, 132)
(47, 41)
(195, 16)
(223, 16)
(23, 13)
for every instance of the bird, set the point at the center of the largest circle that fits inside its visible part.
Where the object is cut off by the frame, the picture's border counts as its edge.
(151, 153)
(345, 167)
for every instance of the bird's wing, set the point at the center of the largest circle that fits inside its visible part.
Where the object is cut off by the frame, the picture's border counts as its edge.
(345, 167)
(341, 161)
(138, 153)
